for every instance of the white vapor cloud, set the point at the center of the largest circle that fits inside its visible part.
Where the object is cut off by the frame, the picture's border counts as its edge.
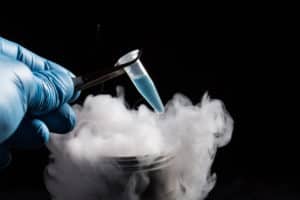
(85, 164)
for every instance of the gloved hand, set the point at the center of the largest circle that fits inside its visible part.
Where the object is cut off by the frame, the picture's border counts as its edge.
(34, 97)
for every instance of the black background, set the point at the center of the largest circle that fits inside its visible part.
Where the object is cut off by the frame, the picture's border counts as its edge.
(241, 60)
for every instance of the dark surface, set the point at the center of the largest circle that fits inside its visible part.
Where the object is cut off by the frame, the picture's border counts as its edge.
(242, 61)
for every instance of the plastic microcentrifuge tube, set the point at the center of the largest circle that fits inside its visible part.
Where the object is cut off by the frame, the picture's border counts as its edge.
(141, 80)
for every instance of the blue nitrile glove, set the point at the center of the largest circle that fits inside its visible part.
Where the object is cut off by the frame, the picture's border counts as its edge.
(34, 96)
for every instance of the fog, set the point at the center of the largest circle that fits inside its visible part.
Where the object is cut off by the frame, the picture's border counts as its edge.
(174, 150)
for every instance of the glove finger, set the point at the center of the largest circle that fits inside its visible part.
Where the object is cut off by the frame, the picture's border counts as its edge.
(55, 67)
(16, 51)
(5, 157)
(51, 89)
(32, 60)
(31, 134)
(61, 120)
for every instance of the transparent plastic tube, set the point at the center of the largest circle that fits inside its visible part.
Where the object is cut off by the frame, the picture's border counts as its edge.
(141, 80)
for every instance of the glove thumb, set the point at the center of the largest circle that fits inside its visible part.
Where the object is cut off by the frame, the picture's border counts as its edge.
(51, 89)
